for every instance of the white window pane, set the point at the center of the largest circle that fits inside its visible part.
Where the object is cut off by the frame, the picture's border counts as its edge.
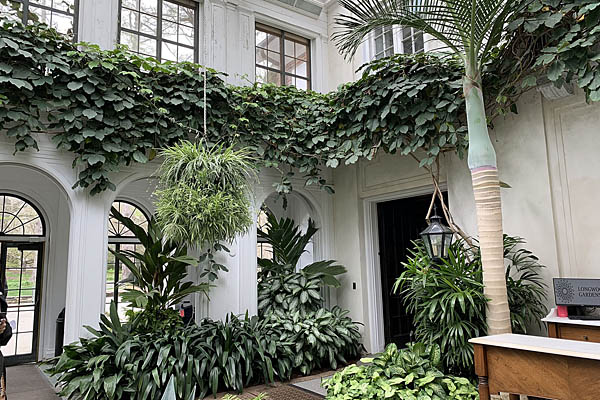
(274, 60)
(261, 75)
(290, 65)
(169, 31)
(186, 35)
(131, 40)
(290, 81)
(42, 15)
(64, 5)
(261, 39)
(185, 54)
(147, 46)
(187, 16)
(419, 42)
(301, 68)
(148, 24)
(273, 43)
(130, 19)
(47, 3)
(133, 4)
(261, 56)
(301, 51)
(302, 84)
(274, 77)
(169, 52)
(11, 10)
(289, 48)
(169, 11)
(379, 45)
(149, 6)
(407, 46)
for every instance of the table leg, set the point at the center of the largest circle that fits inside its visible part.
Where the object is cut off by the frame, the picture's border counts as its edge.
(484, 389)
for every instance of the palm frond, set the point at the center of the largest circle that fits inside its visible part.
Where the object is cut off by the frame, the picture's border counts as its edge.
(470, 28)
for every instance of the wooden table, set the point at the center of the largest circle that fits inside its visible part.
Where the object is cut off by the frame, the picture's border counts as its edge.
(537, 366)
(572, 329)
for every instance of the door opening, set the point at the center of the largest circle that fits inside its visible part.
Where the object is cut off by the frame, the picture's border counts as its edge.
(399, 222)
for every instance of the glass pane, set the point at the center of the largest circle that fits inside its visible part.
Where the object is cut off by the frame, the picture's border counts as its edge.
(301, 51)
(302, 83)
(47, 3)
(407, 46)
(169, 31)
(42, 15)
(18, 217)
(64, 5)
(148, 46)
(289, 48)
(134, 4)
(26, 315)
(389, 39)
(261, 39)
(185, 54)
(187, 16)
(273, 43)
(169, 52)
(130, 19)
(130, 39)
(406, 32)
(149, 6)
(301, 68)
(186, 35)
(378, 31)
(274, 60)
(261, 57)
(169, 11)
(379, 45)
(419, 43)
(261, 75)
(148, 24)
(11, 10)
(290, 65)
(290, 81)
(24, 343)
(274, 77)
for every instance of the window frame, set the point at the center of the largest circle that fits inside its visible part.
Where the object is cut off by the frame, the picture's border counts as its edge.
(159, 21)
(283, 36)
(117, 241)
(26, 4)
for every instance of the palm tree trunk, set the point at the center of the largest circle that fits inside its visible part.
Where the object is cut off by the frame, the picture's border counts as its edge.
(486, 187)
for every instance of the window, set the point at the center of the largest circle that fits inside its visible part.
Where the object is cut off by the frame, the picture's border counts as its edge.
(412, 41)
(387, 41)
(384, 42)
(19, 218)
(121, 238)
(58, 14)
(164, 29)
(263, 249)
(282, 58)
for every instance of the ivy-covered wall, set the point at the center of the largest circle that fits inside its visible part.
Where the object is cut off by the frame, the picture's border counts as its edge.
(113, 108)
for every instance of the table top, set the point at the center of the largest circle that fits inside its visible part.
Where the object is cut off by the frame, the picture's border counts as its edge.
(553, 317)
(539, 344)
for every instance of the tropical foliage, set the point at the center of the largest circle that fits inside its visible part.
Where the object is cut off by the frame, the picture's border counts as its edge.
(113, 108)
(280, 287)
(120, 362)
(159, 272)
(203, 196)
(448, 303)
(410, 373)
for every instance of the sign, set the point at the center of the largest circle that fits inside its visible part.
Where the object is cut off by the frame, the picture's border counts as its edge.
(577, 292)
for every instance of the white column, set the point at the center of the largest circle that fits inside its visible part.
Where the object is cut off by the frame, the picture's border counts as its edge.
(88, 243)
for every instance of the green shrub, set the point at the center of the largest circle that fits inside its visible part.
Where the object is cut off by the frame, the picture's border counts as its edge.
(448, 304)
(410, 373)
(280, 287)
(119, 362)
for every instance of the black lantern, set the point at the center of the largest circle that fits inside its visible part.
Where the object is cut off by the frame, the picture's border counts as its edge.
(437, 238)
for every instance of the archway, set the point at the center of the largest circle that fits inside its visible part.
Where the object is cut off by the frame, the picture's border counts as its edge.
(22, 239)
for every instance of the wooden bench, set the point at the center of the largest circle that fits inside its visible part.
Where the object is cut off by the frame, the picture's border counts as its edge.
(537, 366)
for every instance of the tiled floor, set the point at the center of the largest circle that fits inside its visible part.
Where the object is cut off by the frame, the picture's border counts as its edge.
(27, 382)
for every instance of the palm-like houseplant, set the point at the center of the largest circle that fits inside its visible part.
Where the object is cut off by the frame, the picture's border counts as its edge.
(471, 29)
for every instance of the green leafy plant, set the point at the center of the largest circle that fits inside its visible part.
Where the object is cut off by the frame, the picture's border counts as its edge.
(448, 301)
(114, 108)
(158, 273)
(122, 361)
(410, 373)
(203, 196)
(280, 287)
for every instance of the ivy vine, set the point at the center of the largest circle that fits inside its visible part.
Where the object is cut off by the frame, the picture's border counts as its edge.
(114, 108)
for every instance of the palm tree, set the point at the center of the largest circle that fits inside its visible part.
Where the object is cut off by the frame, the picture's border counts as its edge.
(470, 29)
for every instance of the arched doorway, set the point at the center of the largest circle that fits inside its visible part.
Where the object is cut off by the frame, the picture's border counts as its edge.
(22, 237)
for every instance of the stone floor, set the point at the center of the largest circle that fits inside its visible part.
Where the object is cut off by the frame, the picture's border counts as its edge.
(27, 382)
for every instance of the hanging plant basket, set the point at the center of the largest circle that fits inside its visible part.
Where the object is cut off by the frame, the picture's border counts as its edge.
(203, 195)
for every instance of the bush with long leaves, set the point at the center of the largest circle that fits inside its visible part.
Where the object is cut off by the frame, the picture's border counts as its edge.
(159, 273)
(120, 362)
(448, 301)
(280, 286)
(203, 196)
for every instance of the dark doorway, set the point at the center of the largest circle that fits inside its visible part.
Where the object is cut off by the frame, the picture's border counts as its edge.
(399, 223)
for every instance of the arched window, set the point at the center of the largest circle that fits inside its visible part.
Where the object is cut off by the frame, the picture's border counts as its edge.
(18, 217)
(22, 234)
(121, 238)
(263, 249)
